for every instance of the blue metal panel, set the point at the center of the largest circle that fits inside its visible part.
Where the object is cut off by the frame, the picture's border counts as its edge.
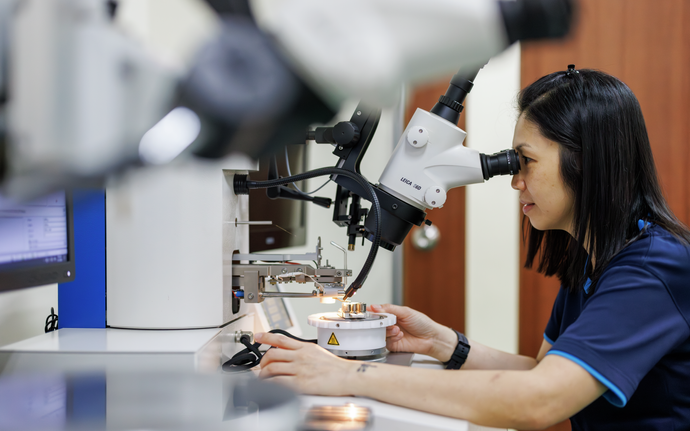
(81, 303)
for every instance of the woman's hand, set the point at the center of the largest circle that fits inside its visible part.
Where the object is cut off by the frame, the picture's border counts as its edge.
(415, 332)
(305, 367)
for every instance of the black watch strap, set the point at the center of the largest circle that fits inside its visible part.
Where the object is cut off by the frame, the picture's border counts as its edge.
(460, 354)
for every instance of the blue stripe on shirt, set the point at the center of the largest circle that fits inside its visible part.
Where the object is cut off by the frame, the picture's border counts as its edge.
(548, 340)
(615, 396)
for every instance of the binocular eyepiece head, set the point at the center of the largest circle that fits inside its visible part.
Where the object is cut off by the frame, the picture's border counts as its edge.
(506, 162)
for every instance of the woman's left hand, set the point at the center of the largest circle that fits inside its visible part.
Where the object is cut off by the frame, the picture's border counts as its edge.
(305, 367)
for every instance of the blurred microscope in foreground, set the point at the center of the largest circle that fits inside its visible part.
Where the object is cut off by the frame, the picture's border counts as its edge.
(79, 99)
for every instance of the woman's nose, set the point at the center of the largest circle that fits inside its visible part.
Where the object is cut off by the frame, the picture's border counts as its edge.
(517, 182)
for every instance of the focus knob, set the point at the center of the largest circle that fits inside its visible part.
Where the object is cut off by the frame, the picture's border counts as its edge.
(418, 137)
(435, 197)
(452, 104)
(346, 134)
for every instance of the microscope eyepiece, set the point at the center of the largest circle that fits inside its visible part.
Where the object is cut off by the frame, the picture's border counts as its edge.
(506, 162)
(449, 105)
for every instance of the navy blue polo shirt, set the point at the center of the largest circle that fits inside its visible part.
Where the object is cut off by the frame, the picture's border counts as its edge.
(632, 333)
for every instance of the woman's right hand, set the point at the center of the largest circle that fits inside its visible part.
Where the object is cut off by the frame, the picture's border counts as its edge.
(415, 332)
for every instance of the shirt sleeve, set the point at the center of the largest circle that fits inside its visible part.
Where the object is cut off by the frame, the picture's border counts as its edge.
(625, 328)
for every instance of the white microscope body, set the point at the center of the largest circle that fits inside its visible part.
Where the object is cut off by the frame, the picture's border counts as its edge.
(429, 160)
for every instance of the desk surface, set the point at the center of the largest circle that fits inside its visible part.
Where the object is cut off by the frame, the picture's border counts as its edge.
(110, 340)
(72, 343)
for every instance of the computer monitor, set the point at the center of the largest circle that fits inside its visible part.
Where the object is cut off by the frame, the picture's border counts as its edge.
(36, 241)
(289, 228)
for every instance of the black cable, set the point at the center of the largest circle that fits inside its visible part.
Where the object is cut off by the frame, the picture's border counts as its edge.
(287, 165)
(251, 356)
(51, 321)
(376, 207)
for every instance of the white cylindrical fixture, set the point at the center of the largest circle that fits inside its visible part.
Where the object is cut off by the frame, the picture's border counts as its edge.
(352, 338)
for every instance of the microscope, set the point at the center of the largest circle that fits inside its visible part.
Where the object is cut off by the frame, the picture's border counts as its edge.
(427, 162)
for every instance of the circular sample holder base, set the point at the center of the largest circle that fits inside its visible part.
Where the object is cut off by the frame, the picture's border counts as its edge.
(362, 338)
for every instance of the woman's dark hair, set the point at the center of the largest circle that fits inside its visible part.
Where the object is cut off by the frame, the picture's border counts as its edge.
(607, 165)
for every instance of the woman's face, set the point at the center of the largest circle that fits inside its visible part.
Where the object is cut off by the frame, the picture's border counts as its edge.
(544, 198)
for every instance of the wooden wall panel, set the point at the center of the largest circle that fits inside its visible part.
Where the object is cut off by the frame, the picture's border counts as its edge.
(434, 281)
(645, 43)
(684, 139)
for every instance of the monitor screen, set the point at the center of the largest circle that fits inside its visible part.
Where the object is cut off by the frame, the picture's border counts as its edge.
(36, 241)
(288, 217)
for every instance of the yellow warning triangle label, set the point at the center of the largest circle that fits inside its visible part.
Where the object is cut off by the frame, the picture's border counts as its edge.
(333, 341)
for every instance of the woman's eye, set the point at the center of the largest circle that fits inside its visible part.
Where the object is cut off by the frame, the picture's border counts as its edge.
(526, 160)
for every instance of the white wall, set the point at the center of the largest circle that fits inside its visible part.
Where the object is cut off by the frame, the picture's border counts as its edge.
(492, 210)
(23, 312)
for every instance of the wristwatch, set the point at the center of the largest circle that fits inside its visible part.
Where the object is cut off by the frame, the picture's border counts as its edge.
(460, 354)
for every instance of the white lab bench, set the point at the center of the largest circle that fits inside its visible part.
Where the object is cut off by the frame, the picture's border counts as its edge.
(119, 350)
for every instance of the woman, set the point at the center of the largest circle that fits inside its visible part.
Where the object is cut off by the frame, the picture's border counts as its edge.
(616, 351)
